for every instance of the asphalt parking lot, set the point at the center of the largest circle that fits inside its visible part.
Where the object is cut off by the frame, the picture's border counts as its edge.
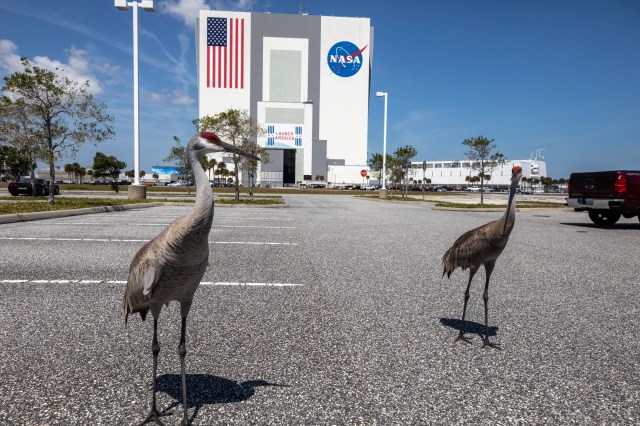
(329, 312)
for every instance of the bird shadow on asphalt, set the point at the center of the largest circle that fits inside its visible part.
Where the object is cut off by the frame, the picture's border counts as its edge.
(469, 326)
(205, 389)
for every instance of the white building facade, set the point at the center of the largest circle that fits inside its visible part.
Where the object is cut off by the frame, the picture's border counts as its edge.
(304, 79)
(454, 173)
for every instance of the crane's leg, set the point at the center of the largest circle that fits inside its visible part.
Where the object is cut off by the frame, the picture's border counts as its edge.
(154, 415)
(461, 336)
(182, 350)
(488, 269)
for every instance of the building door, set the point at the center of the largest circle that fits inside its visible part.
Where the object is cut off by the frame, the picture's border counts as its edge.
(289, 167)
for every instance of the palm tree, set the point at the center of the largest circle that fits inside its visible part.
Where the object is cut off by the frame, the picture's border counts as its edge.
(221, 170)
(75, 168)
(208, 165)
(68, 169)
(82, 171)
(472, 179)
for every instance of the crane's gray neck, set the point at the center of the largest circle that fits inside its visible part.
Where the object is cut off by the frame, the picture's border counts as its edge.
(509, 217)
(204, 196)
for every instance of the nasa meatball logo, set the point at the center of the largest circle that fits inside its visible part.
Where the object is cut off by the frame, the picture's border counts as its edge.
(345, 59)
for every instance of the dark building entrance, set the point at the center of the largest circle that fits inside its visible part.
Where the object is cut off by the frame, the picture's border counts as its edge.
(289, 166)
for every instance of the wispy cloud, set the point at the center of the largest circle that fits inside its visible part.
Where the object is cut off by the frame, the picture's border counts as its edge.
(52, 18)
(179, 66)
(182, 98)
(187, 10)
(176, 97)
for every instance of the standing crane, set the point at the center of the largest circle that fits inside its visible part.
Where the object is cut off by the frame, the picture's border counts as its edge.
(482, 246)
(170, 266)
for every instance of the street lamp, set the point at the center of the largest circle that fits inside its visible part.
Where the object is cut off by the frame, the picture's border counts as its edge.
(148, 6)
(384, 143)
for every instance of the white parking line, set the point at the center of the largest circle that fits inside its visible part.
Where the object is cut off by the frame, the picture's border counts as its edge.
(203, 283)
(250, 218)
(118, 240)
(257, 243)
(161, 224)
(252, 284)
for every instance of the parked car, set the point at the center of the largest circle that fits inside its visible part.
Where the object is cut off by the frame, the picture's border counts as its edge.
(180, 183)
(24, 186)
(368, 187)
(526, 191)
(473, 189)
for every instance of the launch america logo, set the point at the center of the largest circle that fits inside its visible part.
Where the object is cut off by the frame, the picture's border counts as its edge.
(345, 58)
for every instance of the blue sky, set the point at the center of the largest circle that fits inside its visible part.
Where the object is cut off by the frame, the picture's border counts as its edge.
(556, 75)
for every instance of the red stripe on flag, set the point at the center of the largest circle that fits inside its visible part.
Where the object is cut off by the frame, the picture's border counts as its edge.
(230, 44)
(242, 55)
(235, 59)
(225, 51)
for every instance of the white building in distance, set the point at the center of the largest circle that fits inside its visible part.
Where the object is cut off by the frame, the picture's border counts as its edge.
(454, 173)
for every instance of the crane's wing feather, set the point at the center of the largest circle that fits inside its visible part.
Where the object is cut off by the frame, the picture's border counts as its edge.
(150, 276)
(144, 274)
(466, 248)
(145, 271)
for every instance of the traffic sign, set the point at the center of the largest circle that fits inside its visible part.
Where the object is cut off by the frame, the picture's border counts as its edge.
(363, 172)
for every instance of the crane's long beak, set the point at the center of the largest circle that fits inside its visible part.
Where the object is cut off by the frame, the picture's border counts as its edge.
(233, 149)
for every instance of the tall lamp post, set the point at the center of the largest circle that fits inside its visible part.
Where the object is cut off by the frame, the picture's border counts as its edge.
(383, 188)
(136, 191)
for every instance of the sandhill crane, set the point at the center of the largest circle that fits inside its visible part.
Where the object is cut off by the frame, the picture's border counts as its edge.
(170, 266)
(482, 246)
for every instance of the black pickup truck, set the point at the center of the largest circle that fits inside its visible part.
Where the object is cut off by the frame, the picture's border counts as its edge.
(606, 195)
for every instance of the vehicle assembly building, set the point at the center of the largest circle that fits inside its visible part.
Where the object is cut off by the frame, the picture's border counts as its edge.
(304, 79)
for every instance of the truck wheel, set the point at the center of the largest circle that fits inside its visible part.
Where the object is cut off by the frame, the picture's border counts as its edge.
(604, 217)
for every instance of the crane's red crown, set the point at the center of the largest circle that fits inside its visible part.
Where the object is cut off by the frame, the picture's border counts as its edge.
(210, 136)
(516, 169)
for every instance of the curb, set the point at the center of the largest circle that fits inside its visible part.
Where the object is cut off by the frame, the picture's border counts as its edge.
(259, 206)
(27, 217)
(463, 209)
(518, 209)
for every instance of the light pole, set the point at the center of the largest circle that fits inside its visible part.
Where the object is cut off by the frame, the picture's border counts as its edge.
(138, 191)
(383, 188)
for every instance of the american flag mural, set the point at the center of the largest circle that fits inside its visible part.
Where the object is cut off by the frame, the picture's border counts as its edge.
(225, 53)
